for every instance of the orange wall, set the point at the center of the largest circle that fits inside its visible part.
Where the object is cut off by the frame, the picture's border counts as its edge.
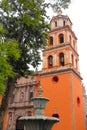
(5, 121)
(61, 99)
(78, 107)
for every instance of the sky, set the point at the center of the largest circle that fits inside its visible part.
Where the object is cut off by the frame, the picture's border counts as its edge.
(77, 13)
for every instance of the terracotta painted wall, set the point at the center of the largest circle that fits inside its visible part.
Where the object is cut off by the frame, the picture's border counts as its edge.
(5, 121)
(61, 100)
(78, 103)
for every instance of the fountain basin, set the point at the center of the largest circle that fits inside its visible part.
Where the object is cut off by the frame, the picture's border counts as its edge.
(38, 122)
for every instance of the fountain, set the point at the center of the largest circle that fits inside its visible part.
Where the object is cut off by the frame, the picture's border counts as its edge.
(39, 121)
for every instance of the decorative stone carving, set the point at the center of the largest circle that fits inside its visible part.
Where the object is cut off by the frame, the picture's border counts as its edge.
(21, 96)
(19, 103)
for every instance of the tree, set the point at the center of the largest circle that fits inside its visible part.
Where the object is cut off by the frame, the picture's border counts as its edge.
(25, 21)
(58, 4)
(8, 47)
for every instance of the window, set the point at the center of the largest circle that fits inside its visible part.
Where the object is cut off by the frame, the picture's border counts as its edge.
(50, 61)
(64, 23)
(72, 60)
(55, 23)
(76, 64)
(55, 115)
(51, 41)
(55, 78)
(61, 38)
(78, 101)
(61, 58)
(30, 95)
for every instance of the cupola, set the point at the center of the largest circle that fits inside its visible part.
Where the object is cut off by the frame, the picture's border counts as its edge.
(60, 21)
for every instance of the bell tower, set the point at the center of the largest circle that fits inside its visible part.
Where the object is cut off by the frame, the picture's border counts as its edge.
(60, 76)
(61, 50)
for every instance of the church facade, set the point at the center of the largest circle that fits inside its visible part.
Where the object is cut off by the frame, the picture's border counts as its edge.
(60, 79)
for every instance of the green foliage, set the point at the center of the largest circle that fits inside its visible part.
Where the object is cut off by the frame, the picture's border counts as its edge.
(8, 47)
(58, 4)
(25, 27)
(24, 20)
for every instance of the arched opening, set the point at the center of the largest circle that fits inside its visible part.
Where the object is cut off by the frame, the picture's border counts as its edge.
(72, 60)
(76, 63)
(31, 94)
(61, 58)
(64, 23)
(50, 61)
(55, 115)
(55, 23)
(78, 101)
(19, 125)
(51, 41)
(61, 38)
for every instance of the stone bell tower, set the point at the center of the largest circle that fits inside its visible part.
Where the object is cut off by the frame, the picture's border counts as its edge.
(60, 76)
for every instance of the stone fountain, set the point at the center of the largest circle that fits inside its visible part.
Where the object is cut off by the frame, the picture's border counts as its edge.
(39, 121)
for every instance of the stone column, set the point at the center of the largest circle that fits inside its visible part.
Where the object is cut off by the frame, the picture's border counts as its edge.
(54, 60)
(44, 65)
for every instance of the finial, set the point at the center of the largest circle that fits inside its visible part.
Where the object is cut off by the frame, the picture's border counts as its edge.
(40, 91)
(59, 11)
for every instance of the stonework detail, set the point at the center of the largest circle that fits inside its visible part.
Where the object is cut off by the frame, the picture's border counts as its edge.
(61, 82)
(20, 103)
